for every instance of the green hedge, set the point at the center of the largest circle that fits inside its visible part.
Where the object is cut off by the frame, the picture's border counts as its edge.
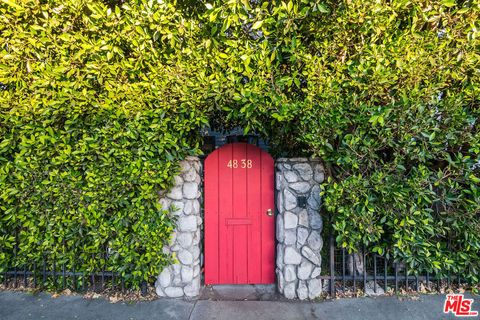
(386, 92)
(398, 124)
(93, 121)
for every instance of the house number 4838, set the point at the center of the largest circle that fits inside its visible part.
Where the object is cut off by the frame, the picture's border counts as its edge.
(242, 163)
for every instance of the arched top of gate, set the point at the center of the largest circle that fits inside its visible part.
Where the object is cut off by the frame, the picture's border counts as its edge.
(229, 147)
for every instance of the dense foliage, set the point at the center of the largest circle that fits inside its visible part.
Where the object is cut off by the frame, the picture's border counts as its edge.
(396, 114)
(100, 100)
(95, 114)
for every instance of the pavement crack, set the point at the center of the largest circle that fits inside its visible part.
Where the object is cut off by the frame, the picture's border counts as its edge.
(191, 311)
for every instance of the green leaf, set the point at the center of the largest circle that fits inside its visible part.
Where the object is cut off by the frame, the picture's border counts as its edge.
(449, 3)
(257, 25)
(322, 8)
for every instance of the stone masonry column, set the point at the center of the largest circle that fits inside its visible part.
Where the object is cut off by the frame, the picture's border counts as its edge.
(299, 227)
(182, 279)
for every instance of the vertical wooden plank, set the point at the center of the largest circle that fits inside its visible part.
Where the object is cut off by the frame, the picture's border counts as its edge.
(239, 236)
(225, 197)
(211, 219)
(254, 209)
(268, 222)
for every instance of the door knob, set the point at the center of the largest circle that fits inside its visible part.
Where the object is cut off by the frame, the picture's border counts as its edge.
(269, 212)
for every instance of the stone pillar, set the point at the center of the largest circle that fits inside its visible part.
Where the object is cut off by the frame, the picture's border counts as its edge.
(182, 279)
(299, 227)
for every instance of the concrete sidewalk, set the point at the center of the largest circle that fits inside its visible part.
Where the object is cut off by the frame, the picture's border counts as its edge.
(24, 306)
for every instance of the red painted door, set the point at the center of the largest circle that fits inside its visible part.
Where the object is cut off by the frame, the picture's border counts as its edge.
(239, 232)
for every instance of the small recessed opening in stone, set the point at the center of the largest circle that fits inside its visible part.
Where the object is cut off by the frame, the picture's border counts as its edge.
(302, 202)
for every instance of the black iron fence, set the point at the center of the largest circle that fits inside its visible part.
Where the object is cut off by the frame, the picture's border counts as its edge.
(345, 273)
(61, 279)
(375, 274)
(51, 273)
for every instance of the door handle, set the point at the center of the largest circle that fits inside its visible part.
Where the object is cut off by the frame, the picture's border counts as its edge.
(269, 212)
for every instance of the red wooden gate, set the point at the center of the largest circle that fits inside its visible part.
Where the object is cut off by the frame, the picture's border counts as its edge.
(239, 220)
